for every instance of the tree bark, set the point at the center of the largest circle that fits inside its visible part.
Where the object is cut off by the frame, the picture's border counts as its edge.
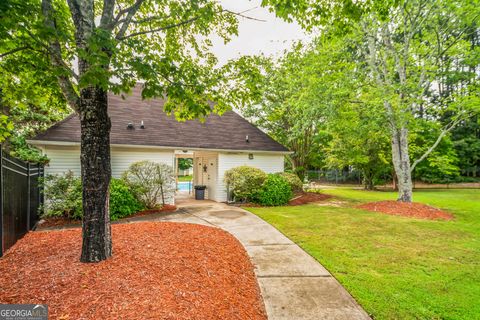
(401, 163)
(96, 173)
(368, 180)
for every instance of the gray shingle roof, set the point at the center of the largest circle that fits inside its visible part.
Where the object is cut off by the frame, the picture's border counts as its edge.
(225, 132)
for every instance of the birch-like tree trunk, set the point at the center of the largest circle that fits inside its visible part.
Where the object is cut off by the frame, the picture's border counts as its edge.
(401, 164)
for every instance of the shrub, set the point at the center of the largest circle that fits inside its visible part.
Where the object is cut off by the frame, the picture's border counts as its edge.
(293, 180)
(275, 191)
(244, 182)
(150, 181)
(64, 196)
(122, 201)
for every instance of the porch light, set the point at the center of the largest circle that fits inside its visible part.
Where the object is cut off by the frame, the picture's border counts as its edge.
(130, 126)
(247, 139)
(142, 126)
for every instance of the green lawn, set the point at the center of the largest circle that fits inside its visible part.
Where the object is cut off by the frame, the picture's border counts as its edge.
(395, 267)
(185, 178)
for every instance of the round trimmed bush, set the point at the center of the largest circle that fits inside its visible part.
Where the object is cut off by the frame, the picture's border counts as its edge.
(244, 182)
(275, 191)
(122, 201)
(293, 180)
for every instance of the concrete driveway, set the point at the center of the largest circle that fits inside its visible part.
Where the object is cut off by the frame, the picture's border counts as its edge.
(294, 286)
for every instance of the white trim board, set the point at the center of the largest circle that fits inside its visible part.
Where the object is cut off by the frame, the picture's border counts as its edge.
(71, 143)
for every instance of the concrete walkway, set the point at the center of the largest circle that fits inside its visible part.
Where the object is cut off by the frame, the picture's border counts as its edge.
(294, 286)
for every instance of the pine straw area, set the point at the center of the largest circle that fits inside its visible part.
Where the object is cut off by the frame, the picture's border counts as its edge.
(308, 197)
(412, 210)
(159, 270)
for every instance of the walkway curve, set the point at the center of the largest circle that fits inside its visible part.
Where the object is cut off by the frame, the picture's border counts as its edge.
(294, 285)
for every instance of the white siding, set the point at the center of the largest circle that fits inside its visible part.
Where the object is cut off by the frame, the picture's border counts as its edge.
(64, 158)
(270, 163)
(122, 158)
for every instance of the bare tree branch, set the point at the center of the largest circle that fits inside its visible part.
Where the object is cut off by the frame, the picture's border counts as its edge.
(442, 134)
(130, 11)
(50, 52)
(140, 21)
(159, 29)
(107, 14)
(133, 7)
(14, 50)
(240, 14)
(56, 58)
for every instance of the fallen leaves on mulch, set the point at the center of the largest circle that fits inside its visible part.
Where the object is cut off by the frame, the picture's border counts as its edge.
(159, 270)
(308, 197)
(57, 222)
(165, 208)
(413, 210)
(64, 222)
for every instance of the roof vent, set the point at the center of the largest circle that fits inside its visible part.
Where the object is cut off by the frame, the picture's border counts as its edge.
(142, 126)
(247, 139)
(130, 126)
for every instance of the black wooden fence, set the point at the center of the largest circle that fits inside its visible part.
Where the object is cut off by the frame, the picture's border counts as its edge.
(20, 198)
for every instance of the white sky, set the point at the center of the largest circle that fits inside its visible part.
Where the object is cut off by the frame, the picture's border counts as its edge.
(271, 37)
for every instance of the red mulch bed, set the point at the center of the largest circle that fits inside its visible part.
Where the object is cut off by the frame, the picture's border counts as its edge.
(308, 197)
(412, 210)
(159, 270)
(62, 221)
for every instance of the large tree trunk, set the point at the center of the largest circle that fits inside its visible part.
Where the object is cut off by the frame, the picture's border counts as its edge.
(401, 163)
(96, 173)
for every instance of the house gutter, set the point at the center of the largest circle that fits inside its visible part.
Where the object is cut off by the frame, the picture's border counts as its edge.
(135, 146)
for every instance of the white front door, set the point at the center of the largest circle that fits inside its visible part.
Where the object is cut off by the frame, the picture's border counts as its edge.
(205, 173)
(212, 177)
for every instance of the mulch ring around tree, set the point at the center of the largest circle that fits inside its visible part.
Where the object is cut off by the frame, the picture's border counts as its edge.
(59, 222)
(308, 197)
(159, 270)
(405, 209)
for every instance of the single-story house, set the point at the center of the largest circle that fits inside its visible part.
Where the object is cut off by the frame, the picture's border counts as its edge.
(141, 130)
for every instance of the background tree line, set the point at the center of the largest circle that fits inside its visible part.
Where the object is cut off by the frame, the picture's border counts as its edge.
(392, 93)
(387, 86)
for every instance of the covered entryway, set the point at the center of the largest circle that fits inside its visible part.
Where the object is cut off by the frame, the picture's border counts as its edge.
(205, 172)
